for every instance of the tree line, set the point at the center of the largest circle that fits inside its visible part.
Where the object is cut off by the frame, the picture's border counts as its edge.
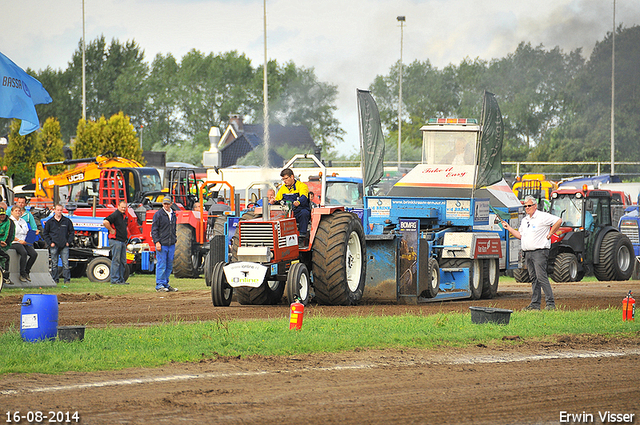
(556, 105)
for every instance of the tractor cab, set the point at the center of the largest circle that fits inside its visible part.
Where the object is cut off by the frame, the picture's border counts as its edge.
(586, 240)
(582, 210)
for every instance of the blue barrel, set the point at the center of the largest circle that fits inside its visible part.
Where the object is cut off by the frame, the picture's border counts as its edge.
(39, 317)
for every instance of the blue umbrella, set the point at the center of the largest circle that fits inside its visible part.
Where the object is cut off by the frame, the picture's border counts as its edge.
(19, 93)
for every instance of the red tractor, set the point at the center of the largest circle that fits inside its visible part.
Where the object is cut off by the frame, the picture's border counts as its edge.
(197, 227)
(267, 259)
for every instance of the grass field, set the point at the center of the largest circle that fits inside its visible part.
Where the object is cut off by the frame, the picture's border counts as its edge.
(123, 347)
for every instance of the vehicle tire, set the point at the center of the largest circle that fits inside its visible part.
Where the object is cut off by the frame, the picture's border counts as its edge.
(476, 279)
(187, 258)
(78, 270)
(298, 284)
(565, 268)
(616, 258)
(522, 275)
(208, 269)
(636, 270)
(339, 259)
(269, 293)
(99, 270)
(215, 226)
(221, 292)
(491, 277)
(433, 286)
(475, 273)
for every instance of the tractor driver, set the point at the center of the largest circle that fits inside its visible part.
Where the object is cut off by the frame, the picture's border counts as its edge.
(298, 193)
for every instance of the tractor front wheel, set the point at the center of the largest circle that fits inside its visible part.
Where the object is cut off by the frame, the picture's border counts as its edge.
(99, 270)
(221, 292)
(298, 283)
(565, 268)
(521, 276)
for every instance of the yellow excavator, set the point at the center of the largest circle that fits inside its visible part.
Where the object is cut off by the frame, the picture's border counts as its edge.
(138, 179)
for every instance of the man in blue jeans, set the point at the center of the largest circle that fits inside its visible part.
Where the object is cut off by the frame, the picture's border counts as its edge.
(163, 233)
(58, 234)
(117, 223)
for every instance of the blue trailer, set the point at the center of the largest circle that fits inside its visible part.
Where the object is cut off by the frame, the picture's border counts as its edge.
(436, 235)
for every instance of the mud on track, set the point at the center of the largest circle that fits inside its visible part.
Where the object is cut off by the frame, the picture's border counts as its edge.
(96, 310)
(530, 383)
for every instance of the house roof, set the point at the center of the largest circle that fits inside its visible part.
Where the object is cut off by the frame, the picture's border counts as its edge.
(242, 146)
(279, 135)
(235, 144)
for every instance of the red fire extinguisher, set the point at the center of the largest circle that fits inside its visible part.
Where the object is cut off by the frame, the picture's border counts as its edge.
(297, 313)
(628, 308)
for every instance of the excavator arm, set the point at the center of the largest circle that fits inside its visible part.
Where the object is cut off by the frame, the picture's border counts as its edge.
(91, 171)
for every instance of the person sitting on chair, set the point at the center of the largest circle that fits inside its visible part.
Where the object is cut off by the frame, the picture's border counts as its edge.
(7, 235)
(24, 249)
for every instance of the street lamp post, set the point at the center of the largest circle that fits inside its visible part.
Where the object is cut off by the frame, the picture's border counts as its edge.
(613, 90)
(265, 94)
(84, 81)
(400, 19)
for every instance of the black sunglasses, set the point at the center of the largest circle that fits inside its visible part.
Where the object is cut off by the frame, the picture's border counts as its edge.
(531, 205)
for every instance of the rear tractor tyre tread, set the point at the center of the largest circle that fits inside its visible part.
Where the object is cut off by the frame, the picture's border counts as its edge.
(183, 260)
(615, 247)
(333, 261)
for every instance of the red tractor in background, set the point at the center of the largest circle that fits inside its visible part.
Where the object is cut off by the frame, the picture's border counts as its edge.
(197, 227)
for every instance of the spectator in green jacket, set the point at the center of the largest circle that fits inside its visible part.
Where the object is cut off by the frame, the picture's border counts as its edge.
(7, 235)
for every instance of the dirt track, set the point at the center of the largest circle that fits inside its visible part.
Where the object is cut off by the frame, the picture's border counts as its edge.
(532, 382)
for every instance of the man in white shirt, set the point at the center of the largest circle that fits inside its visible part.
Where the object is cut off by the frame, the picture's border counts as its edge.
(535, 233)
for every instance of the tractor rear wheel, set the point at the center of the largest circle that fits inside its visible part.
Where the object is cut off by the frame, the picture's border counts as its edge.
(491, 276)
(298, 283)
(616, 258)
(221, 292)
(339, 259)
(78, 270)
(565, 268)
(187, 258)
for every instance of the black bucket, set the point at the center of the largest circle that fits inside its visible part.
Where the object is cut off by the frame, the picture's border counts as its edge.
(480, 315)
(70, 333)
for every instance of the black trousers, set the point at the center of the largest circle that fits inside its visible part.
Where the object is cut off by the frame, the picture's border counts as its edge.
(4, 259)
(28, 256)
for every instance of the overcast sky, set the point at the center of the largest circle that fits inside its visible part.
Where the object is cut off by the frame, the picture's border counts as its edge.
(347, 42)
